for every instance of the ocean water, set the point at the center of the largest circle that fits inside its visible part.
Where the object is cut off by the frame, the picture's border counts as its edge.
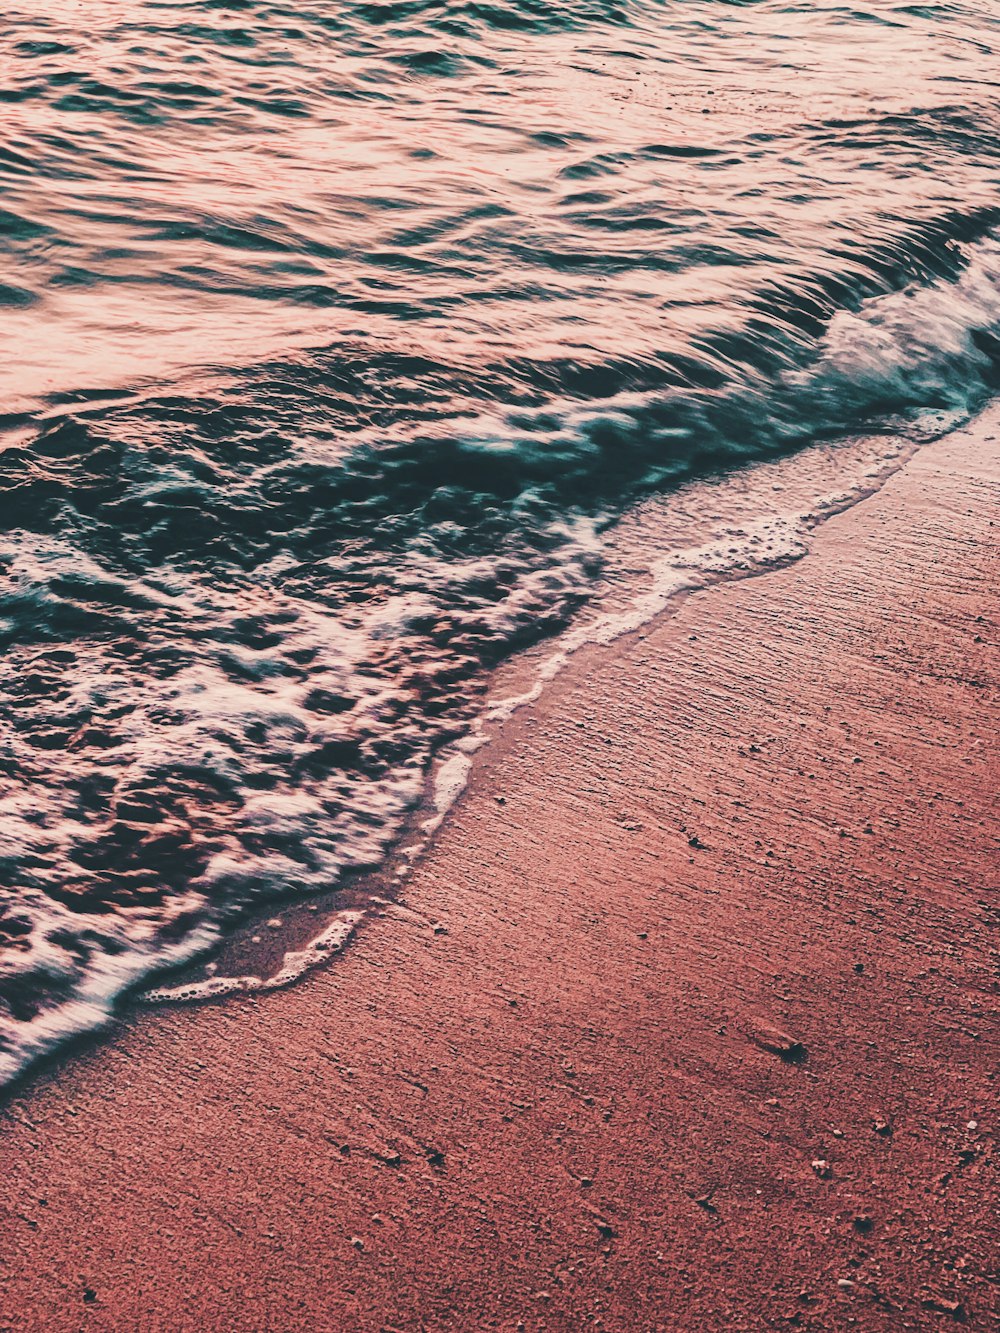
(334, 338)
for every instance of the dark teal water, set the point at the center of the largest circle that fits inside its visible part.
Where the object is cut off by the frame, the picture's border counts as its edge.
(332, 336)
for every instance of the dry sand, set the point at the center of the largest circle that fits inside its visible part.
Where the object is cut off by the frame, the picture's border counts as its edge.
(776, 807)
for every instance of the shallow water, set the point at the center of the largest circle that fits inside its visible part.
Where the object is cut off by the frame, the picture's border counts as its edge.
(335, 335)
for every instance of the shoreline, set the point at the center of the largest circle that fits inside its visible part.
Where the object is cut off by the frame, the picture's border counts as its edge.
(256, 960)
(763, 828)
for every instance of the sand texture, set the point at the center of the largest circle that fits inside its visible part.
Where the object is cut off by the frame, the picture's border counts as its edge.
(693, 1030)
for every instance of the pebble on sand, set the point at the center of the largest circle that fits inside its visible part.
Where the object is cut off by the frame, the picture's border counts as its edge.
(775, 1040)
(942, 1305)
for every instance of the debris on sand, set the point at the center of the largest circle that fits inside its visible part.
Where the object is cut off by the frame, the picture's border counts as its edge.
(778, 1042)
(942, 1305)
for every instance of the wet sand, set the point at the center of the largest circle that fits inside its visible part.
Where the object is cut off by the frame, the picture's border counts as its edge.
(542, 1092)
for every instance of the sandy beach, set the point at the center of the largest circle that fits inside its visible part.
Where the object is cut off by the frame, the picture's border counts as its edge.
(548, 1089)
